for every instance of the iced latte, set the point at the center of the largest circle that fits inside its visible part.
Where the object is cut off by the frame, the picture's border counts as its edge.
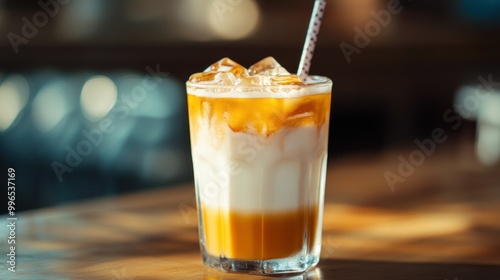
(259, 144)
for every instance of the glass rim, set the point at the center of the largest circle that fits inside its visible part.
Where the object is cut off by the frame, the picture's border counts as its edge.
(317, 81)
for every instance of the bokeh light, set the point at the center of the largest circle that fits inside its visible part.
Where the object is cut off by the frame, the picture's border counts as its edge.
(468, 101)
(14, 94)
(98, 97)
(50, 105)
(218, 19)
(235, 21)
(347, 14)
(193, 15)
(161, 102)
(80, 19)
(488, 131)
(480, 11)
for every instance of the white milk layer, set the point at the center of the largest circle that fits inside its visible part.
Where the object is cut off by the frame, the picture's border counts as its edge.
(249, 173)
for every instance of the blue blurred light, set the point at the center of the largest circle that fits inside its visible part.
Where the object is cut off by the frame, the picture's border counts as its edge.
(51, 104)
(480, 11)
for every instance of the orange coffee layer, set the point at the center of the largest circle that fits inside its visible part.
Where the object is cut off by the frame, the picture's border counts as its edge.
(263, 115)
(258, 236)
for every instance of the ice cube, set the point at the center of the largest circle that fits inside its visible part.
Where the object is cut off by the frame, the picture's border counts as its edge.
(215, 78)
(226, 78)
(267, 72)
(268, 67)
(223, 72)
(228, 65)
(206, 77)
(286, 80)
(257, 80)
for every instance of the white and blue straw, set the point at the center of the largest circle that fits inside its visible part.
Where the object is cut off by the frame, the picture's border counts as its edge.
(311, 38)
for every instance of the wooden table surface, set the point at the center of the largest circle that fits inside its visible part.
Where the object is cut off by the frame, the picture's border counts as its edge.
(442, 222)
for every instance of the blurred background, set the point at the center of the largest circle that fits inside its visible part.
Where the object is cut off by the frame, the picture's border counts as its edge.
(92, 98)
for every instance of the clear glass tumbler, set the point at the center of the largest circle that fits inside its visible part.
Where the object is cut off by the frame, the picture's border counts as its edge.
(259, 159)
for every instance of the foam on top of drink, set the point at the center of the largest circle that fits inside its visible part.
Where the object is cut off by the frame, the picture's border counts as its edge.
(266, 78)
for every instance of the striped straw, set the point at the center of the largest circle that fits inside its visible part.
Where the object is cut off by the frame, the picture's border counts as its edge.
(311, 38)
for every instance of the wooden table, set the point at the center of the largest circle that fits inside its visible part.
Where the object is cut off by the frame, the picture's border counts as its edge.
(442, 223)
